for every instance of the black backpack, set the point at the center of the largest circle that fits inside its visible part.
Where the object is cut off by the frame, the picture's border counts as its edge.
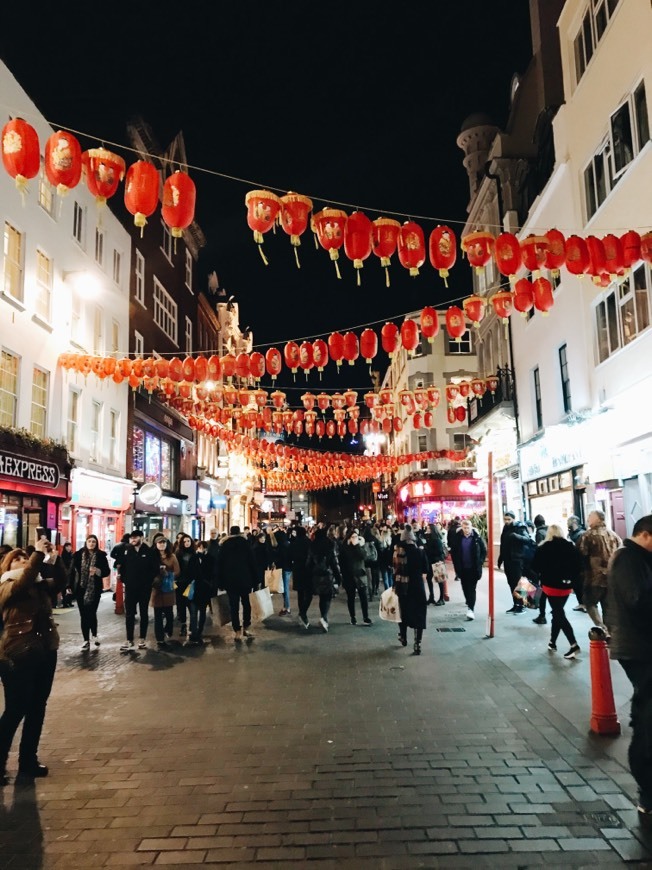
(370, 553)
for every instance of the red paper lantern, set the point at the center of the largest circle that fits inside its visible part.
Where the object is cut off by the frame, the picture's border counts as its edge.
(358, 240)
(273, 362)
(455, 323)
(543, 297)
(385, 240)
(201, 369)
(465, 389)
(175, 370)
(262, 209)
(646, 247)
(442, 248)
(492, 382)
(228, 365)
(371, 399)
(397, 423)
(409, 335)
(478, 247)
(411, 247)
(434, 396)
(614, 259)
(429, 323)
(390, 337)
(308, 400)
(350, 347)
(417, 421)
(295, 210)
(141, 191)
(596, 265)
(523, 296)
(214, 368)
(329, 225)
(368, 345)
(474, 307)
(406, 399)
(103, 172)
(555, 255)
(320, 354)
(337, 401)
(428, 419)
(306, 360)
(260, 398)
(478, 387)
(178, 202)
(452, 392)
(256, 365)
(336, 348)
(323, 401)
(292, 356)
(230, 394)
(350, 398)
(242, 365)
(352, 426)
(63, 162)
(21, 154)
(320, 429)
(503, 303)
(631, 243)
(577, 255)
(534, 250)
(507, 253)
(330, 428)
(278, 399)
(460, 413)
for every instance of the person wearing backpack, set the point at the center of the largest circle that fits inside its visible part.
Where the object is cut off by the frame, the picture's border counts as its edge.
(323, 572)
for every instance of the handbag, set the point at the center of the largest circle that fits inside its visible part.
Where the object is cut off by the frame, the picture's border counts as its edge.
(389, 607)
(439, 572)
(222, 609)
(525, 591)
(261, 604)
(189, 591)
(274, 579)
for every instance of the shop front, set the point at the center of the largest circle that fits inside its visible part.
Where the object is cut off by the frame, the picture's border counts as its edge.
(31, 491)
(155, 512)
(199, 507)
(439, 500)
(554, 476)
(98, 504)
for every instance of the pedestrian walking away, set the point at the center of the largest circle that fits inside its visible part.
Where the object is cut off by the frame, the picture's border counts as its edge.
(324, 573)
(410, 571)
(138, 568)
(237, 576)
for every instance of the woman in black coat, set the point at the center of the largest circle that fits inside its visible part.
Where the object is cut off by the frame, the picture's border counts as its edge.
(354, 575)
(323, 571)
(410, 572)
(558, 564)
(202, 569)
(299, 552)
(260, 550)
(90, 567)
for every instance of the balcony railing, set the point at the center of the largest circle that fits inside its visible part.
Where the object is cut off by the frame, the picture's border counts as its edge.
(480, 407)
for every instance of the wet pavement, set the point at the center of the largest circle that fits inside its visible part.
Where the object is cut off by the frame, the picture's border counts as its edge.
(345, 750)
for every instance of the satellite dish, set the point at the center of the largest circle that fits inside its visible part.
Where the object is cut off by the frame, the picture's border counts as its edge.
(150, 493)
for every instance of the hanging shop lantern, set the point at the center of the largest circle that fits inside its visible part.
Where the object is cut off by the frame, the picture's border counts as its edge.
(201, 369)
(614, 260)
(175, 370)
(390, 337)
(228, 365)
(350, 398)
(358, 240)
(278, 399)
(368, 345)
(262, 209)
(646, 247)
(465, 389)
(291, 356)
(507, 254)
(555, 255)
(577, 255)
(631, 244)
(63, 162)
(452, 392)
(337, 401)
(244, 397)
(329, 225)
(273, 362)
(260, 398)
(230, 394)
(336, 348)
(162, 367)
(371, 399)
(534, 250)
(428, 419)
(341, 429)
(350, 347)
(503, 303)
(411, 247)
(474, 307)
(543, 297)
(406, 399)
(320, 354)
(523, 296)
(308, 400)
(141, 192)
(596, 265)
(442, 248)
(187, 369)
(297, 427)
(429, 323)
(385, 239)
(242, 365)
(450, 415)
(331, 428)
(306, 360)
(385, 395)
(21, 154)
(460, 413)
(455, 323)
(434, 396)
(103, 172)
(323, 402)
(178, 202)
(478, 387)
(478, 247)
(410, 336)
(492, 382)
(352, 427)
(256, 365)
(417, 420)
(421, 397)
(320, 429)
(397, 423)
(214, 368)
(295, 210)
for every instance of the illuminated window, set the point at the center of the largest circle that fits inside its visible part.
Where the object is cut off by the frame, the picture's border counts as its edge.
(8, 388)
(44, 274)
(39, 403)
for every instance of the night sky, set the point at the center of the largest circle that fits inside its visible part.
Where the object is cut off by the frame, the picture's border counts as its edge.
(357, 103)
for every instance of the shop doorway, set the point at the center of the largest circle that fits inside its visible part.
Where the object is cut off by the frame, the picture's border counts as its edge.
(617, 504)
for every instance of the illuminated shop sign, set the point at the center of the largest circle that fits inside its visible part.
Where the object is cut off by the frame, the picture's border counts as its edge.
(27, 469)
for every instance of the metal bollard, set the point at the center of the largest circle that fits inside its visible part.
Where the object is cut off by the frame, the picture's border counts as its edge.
(604, 719)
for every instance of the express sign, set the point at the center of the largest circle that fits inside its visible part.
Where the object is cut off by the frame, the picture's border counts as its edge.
(28, 469)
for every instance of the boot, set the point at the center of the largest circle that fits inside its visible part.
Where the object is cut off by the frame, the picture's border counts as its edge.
(183, 631)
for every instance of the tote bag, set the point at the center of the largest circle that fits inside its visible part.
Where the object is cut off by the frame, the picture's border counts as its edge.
(221, 609)
(389, 608)
(274, 579)
(261, 604)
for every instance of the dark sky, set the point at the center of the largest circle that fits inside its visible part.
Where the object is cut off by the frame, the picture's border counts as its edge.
(354, 102)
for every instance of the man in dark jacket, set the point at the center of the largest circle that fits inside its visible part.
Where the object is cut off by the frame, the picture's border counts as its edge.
(138, 567)
(213, 550)
(451, 531)
(630, 616)
(468, 552)
(237, 576)
(513, 542)
(575, 532)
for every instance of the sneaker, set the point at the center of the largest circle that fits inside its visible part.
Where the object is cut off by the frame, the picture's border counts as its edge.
(354, 621)
(540, 620)
(283, 612)
(552, 647)
(127, 646)
(86, 645)
(431, 600)
(511, 609)
(367, 621)
(184, 630)
(470, 614)
(142, 643)
(161, 644)
(303, 620)
(323, 624)
(581, 608)
(248, 633)
(97, 641)
(572, 652)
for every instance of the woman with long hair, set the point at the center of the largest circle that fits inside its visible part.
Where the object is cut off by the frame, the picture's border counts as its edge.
(184, 551)
(90, 568)
(163, 591)
(558, 563)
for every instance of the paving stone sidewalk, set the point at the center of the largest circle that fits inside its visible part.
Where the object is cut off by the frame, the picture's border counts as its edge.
(335, 750)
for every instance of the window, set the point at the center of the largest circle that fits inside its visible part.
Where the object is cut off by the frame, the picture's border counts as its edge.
(44, 273)
(140, 278)
(464, 345)
(114, 436)
(139, 344)
(165, 311)
(153, 459)
(594, 24)
(565, 378)
(462, 441)
(98, 331)
(45, 195)
(116, 266)
(188, 335)
(96, 424)
(73, 420)
(167, 246)
(99, 246)
(76, 318)
(8, 388)
(623, 313)
(115, 336)
(422, 446)
(78, 223)
(13, 251)
(188, 270)
(628, 132)
(538, 412)
(39, 403)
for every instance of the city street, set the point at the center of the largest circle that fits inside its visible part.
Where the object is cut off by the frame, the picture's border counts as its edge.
(340, 750)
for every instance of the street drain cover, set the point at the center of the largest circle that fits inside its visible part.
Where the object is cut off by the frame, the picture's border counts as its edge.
(447, 628)
(603, 820)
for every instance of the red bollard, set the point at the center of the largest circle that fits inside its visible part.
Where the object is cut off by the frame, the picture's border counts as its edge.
(119, 597)
(604, 719)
